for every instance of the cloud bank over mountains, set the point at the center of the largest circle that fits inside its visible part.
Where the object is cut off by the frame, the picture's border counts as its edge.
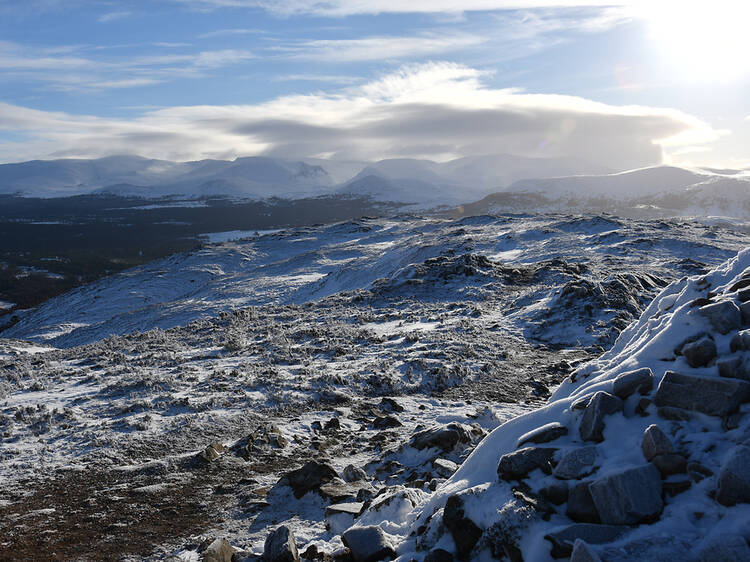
(435, 110)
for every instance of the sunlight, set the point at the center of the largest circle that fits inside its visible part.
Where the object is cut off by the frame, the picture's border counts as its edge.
(705, 41)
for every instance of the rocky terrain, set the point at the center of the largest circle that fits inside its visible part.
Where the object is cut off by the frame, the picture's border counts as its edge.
(340, 388)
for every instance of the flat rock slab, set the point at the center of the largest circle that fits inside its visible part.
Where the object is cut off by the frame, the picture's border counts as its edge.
(576, 463)
(734, 477)
(714, 396)
(518, 464)
(563, 539)
(601, 405)
(625, 384)
(628, 497)
(351, 508)
(368, 544)
(544, 434)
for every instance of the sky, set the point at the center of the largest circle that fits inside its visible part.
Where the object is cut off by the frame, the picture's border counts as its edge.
(624, 85)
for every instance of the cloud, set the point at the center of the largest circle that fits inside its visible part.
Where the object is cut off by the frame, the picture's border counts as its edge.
(229, 32)
(434, 110)
(112, 16)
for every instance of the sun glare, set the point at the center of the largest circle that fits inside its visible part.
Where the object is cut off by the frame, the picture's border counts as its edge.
(707, 41)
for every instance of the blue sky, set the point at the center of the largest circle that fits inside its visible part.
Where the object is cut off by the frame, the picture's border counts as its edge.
(625, 84)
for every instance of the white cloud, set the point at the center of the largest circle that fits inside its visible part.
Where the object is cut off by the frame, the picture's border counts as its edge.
(436, 110)
(112, 16)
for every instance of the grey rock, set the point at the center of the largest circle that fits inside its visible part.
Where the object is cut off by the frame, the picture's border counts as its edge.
(218, 551)
(310, 477)
(339, 491)
(601, 405)
(350, 508)
(563, 540)
(535, 501)
(390, 405)
(386, 422)
(661, 548)
(353, 474)
(368, 544)
(725, 547)
(580, 403)
(745, 313)
(735, 367)
(576, 463)
(743, 295)
(740, 341)
(445, 438)
(734, 477)
(724, 316)
(675, 487)
(625, 384)
(628, 497)
(655, 442)
(438, 555)
(697, 472)
(444, 467)
(543, 434)
(280, 546)
(465, 532)
(670, 463)
(518, 464)
(674, 414)
(582, 552)
(710, 395)
(700, 353)
(581, 507)
(556, 493)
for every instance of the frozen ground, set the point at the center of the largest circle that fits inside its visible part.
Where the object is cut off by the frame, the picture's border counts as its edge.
(109, 394)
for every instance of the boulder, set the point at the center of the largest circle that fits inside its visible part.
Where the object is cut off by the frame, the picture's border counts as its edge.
(465, 532)
(700, 353)
(740, 341)
(564, 539)
(516, 465)
(390, 405)
(218, 551)
(341, 516)
(670, 463)
(556, 492)
(310, 477)
(601, 405)
(582, 552)
(655, 442)
(438, 555)
(576, 463)
(212, 452)
(734, 477)
(445, 438)
(724, 316)
(660, 548)
(339, 491)
(543, 434)
(735, 367)
(280, 546)
(628, 497)
(444, 468)
(725, 547)
(368, 544)
(710, 395)
(353, 474)
(386, 422)
(535, 501)
(745, 313)
(641, 380)
(581, 507)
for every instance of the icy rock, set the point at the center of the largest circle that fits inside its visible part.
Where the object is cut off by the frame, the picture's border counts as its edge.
(709, 395)
(445, 438)
(354, 474)
(218, 551)
(740, 341)
(265, 437)
(601, 405)
(655, 442)
(386, 422)
(310, 477)
(581, 507)
(368, 544)
(628, 497)
(662, 548)
(212, 452)
(698, 472)
(543, 434)
(338, 491)
(734, 477)
(670, 463)
(563, 540)
(280, 546)
(576, 463)
(516, 465)
(700, 353)
(582, 552)
(735, 367)
(352, 508)
(626, 384)
(724, 316)
(438, 555)
(465, 532)
(444, 467)
(535, 501)
(334, 424)
(390, 405)
(725, 548)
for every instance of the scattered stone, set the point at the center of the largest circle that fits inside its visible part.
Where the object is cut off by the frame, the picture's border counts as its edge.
(465, 532)
(334, 424)
(735, 367)
(582, 552)
(390, 405)
(581, 507)
(516, 465)
(218, 551)
(626, 384)
(338, 491)
(310, 477)
(700, 353)
(354, 474)
(438, 555)
(368, 544)
(564, 539)
(601, 405)
(655, 442)
(642, 407)
(212, 452)
(734, 477)
(444, 467)
(544, 434)
(740, 341)
(675, 487)
(725, 548)
(264, 437)
(535, 501)
(670, 463)
(628, 497)
(710, 395)
(280, 546)
(556, 493)
(576, 463)
(445, 438)
(698, 472)
(386, 422)
(724, 316)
